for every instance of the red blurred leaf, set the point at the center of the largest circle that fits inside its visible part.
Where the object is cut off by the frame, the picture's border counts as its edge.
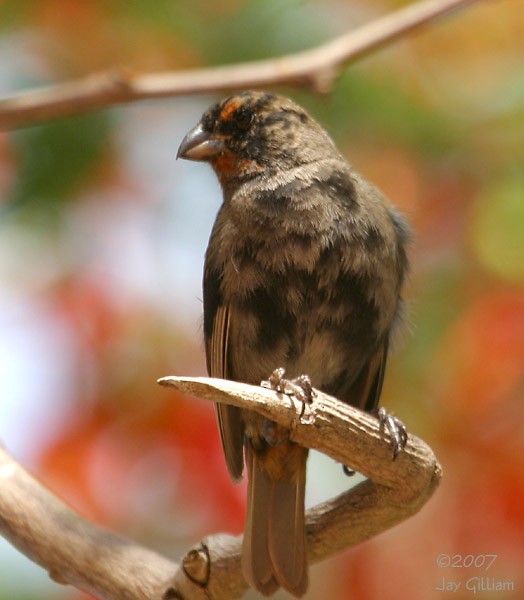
(96, 462)
(90, 310)
(482, 356)
(64, 466)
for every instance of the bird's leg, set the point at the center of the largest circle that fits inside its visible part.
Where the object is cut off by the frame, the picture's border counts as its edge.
(395, 428)
(300, 387)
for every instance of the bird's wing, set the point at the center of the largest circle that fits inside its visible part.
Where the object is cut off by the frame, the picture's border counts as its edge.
(217, 318)
(366, 389)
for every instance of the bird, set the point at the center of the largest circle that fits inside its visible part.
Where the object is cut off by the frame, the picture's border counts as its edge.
(303, 274)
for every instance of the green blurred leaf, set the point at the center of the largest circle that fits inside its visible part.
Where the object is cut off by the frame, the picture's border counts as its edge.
(497, 228)
(55, 158)
(182, 16)
(229, 33)
(262, 29)
(14, 13)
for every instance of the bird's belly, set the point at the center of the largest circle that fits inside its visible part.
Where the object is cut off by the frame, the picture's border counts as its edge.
(306, 344)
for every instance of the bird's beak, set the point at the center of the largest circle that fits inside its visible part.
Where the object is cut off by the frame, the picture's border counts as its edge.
(200, 145)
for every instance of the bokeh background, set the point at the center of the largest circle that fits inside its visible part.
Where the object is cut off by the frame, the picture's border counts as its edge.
(102, 236)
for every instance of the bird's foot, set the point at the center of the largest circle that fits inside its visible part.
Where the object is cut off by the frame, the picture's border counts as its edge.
(300, 387)
(395, 428)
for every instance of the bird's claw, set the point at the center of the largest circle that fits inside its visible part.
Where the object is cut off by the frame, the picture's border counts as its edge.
(275, 380)
(347, 471)
(300, 387)
(395, 428)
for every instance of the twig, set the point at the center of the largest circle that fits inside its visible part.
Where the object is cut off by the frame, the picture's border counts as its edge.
(316, 68)
(77, 552)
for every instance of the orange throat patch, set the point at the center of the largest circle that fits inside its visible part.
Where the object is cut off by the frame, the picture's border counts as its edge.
(229, 165)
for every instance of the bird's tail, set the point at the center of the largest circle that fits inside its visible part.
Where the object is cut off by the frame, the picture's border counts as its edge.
(274, 546)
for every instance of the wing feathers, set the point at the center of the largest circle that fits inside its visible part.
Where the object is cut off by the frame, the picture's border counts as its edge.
(229, 417)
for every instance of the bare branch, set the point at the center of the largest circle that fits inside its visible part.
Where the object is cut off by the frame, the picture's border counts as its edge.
(394, 491)
(316, 68)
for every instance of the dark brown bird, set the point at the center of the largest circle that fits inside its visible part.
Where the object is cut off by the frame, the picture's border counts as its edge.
(304, 271)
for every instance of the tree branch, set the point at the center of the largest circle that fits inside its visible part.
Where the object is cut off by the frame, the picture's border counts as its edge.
(71, 549)
(77, 552)
(394, 490)
(316, 68)
(346, 434)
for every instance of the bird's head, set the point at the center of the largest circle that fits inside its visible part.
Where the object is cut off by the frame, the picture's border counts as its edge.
(255, 134)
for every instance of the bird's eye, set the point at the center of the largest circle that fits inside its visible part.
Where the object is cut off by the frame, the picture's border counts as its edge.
(243, 118)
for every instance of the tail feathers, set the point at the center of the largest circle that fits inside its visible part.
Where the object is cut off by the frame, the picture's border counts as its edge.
(256, 562)
(287, 523)
(274, 547)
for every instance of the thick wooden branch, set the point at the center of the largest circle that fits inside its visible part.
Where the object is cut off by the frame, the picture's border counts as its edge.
(72, 550)
(77, 552)
(316, 68)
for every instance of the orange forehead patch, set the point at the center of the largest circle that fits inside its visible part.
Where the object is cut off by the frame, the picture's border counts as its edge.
(229, 109)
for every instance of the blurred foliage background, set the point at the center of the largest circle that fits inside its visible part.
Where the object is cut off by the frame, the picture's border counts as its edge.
(102, 237)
